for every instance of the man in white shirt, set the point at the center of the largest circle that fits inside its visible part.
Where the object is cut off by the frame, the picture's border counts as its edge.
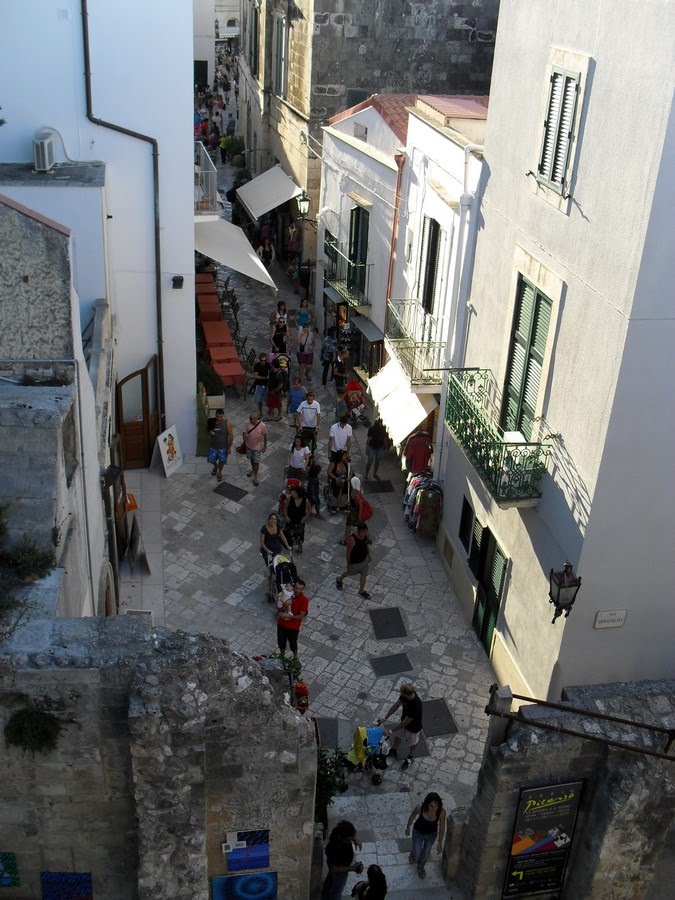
(308, 414)
(339, 439)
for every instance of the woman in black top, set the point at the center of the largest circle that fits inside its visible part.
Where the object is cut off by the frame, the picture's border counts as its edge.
(339, 474)
(272, 539)
(340, 859)
(429, 817)
(296, 513)
(279, 336)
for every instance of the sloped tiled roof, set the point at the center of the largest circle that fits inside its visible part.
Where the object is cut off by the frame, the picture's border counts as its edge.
(456, 106)
(392, 107)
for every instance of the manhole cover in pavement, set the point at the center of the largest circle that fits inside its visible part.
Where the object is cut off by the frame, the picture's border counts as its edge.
(230, 491)
(362, 695)
(387, 623)
(437, 718)
(391, 665)
(379, 487)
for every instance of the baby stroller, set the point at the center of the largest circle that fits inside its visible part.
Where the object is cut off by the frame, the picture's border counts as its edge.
(369, 753)
(334, 501)
(356, 404)
(282, 576)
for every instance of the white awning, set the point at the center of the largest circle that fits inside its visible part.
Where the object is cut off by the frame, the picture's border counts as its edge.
(266, 192)
(227, 244)
(401, 411)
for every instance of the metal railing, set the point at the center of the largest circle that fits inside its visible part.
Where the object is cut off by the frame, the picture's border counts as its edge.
(416, 339)
(206, 182)
(510, 470)
(350, 279)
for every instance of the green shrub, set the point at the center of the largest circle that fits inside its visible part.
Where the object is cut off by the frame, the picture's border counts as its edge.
(234, 145)
(208, 378)
(27, 561)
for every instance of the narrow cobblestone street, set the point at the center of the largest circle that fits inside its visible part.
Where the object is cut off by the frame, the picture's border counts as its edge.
(207, 575)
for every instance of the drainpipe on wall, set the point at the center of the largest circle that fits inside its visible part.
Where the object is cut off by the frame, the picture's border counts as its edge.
(455, 351)
(400, 160)
(155, 182)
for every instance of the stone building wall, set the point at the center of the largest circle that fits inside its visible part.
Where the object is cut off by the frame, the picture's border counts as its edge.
(35, 286)
(169, 741)
(626, 803)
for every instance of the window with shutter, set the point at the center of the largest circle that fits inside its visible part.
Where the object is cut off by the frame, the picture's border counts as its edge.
(465, 524)
(430, 251)
(558, 129)
(526, 359)
(280, 55)
(475, 554)
(358, 249)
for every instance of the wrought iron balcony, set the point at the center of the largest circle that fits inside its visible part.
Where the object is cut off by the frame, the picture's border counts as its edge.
(510, 469)
(349, 279)
(206, 183)
(415, 338)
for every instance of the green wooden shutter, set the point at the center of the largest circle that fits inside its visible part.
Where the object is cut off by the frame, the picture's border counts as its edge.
(497, 572)
(526, 359)
(558, 128)
(423, 255)
(476, 545)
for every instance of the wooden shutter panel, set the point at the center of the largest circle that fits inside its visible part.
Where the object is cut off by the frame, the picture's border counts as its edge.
(515, 376)
(535, 363)
(476, 544)
(564, 138)
(497, 572)
(551, 125)
(423, 255)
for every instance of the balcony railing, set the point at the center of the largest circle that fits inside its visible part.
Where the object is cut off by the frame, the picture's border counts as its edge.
(416, 339)
(510, 469)
(349, 279)
(206, 186)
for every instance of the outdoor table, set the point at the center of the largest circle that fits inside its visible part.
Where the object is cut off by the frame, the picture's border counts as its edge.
(210, 314)
(203, 278)
(201, 289)
(223, 354)
(207, 301)
(216, 334)
(230, 373)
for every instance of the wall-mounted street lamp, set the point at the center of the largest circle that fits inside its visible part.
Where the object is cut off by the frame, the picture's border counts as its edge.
(177, 282)
(563, 590)
(303, 202)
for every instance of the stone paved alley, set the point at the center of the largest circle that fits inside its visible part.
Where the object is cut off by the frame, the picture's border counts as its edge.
(207, 575)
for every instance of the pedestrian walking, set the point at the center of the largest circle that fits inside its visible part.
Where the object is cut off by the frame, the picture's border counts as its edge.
(222, 144)
(376, 444)
(255, 441)
(339, 438)
(220, 432)
(266, 253)
(340, 370)
(231, 125)
(410, 725)
(290, 619)
(340, 858)
(275, 386)
(297, 510)
(314, 490)
(297, 463)
(280, 314)
(280, 336)
(327, 354)
(357, 507)
(358, 559)
(429, 823)
(308, 415)
(375, 888)
(296, 395)
(261, 372)
(305, 352)
(302, 316)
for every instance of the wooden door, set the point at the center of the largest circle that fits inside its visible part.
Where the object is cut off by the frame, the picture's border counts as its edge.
(138, 415)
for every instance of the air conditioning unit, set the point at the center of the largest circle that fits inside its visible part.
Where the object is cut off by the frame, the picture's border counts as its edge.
(43, 153)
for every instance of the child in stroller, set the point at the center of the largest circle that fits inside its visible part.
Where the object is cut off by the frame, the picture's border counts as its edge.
(369, 753)
(282, 577)
(356, 404)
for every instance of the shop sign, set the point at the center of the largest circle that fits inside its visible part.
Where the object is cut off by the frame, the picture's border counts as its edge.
(542, 838)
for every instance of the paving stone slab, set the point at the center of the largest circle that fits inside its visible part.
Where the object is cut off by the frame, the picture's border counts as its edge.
(391, 665)
(380, 487)
(231, 491)
(437, 718)
(387, 623)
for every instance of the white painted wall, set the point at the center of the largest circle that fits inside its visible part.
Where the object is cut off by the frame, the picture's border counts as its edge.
(348, 169)
(606, 385)
(133, 85)
(204, 34)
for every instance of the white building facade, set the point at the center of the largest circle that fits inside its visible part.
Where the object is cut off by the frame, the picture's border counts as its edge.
(132, 232)
(559, 412)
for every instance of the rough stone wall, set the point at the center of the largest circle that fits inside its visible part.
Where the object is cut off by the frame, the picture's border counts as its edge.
(626, 805)
(35, 305)
(395, 46)
(169, 741)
